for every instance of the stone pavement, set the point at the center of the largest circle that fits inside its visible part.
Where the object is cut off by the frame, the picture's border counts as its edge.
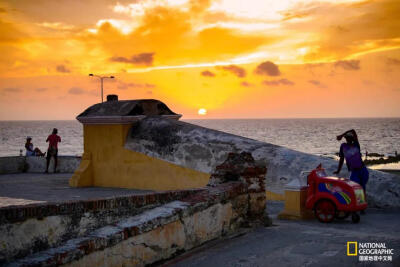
(294, 243)
(29, 188)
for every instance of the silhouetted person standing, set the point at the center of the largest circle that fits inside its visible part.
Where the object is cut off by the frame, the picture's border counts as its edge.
(52, 151)
(351, 152)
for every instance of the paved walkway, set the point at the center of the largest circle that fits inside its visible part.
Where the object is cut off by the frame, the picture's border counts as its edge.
(305, 243)
(28, 188)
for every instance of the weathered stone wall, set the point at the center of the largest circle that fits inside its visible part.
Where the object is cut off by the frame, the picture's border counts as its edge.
(204, 149)
(160, 233)
(30, 228)
(136, 230)
(107, 163)
(67, 164)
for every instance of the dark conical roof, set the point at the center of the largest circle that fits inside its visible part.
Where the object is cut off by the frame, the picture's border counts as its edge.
(125, 110)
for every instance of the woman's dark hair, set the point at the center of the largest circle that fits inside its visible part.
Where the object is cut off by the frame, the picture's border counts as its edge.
(55, 131)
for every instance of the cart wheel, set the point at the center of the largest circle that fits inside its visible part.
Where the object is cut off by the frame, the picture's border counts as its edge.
(325, 210)
(341, 215)
(355, 218)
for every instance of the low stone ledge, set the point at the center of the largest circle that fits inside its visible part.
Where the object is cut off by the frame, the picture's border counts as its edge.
(31, 228)
(19, 164)
(159, 233)
(12, 214)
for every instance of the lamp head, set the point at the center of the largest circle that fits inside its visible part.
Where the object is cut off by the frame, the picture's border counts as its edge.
(112, 77)
(90, 74)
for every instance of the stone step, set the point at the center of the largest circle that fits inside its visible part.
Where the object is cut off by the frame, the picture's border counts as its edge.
(160, 233)
(28, 229)
(105, 237)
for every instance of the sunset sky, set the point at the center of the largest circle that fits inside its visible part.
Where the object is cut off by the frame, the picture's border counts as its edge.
(232, 58)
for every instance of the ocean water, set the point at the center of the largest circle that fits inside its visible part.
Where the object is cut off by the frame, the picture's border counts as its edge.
(316, 136)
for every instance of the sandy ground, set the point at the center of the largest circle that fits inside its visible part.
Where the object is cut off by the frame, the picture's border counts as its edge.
(299, 243)
(28, 188)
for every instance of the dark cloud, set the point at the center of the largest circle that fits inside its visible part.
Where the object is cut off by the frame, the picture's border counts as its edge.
(42, 89)
(138, 59)
(76, 91)
(392, 61)
(207, 73)
(246, 84)
(278, 82)
(3, 10)
(317, 83)
(63, 69)
(238, 71)
(124, 86)
(12, 90)
(348, 64)
(268, 68)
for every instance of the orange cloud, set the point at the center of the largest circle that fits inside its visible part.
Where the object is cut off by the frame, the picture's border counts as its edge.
(11, 90)
(317, 83)
(207, 73)
(167, 44)
(278, 82)
(268, 68)
(360, 28)
(124, 86)
(246, 84)
(145, 59)
(238, 71)
(392, 61)
(63, 69)
(348, 64)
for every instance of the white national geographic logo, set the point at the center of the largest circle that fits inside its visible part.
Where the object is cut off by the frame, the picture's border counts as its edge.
(375, 251)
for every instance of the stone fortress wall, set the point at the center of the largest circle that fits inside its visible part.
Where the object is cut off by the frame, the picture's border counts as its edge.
(134, 230)
(202, 149)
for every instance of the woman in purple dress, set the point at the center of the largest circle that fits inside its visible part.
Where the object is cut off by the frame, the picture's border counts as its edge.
(352, 153)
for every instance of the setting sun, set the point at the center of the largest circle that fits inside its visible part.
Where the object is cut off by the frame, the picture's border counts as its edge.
(248, 59)
(202, 111)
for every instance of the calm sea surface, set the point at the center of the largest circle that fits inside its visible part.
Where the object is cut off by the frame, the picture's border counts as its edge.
(316, 136)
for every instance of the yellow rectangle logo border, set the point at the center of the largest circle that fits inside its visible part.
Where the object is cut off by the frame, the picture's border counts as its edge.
(348, 248)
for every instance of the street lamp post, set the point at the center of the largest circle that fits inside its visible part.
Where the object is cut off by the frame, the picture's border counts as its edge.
(101, 82)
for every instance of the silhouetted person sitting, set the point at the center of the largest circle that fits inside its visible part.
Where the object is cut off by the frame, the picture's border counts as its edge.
(29, 149)
(52, 151)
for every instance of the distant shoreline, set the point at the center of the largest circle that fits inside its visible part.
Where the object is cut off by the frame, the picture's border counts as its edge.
(207, 118)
